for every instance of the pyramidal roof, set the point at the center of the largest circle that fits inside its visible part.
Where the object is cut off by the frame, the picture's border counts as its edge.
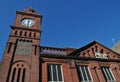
(30, 10)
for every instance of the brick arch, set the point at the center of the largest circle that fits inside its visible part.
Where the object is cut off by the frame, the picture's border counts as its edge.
(21, 61)
(20, 72)
(16, 32)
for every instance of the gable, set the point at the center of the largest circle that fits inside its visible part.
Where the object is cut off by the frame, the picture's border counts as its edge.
(95, 50)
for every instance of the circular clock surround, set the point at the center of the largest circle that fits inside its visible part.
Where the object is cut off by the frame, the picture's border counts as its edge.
(27, 22)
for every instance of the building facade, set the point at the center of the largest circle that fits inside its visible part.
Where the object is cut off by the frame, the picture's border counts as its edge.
(25, 60)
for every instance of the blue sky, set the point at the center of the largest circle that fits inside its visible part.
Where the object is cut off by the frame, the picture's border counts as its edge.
(67, 23)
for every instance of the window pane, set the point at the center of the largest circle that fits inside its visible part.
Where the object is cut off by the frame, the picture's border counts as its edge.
(107, 73)
(81, 74)
(110, 75)
(18, 76)
(88, 74)
(23, 76)
(84, 75)
(59, 73)
(49, 73)
(13, 75)
(54, 73)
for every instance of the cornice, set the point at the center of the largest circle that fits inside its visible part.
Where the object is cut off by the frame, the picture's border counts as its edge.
(24, 37)
(28, 29)
(32, 14)
(77, 58)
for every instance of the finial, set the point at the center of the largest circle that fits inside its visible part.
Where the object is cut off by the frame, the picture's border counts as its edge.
(31, 9)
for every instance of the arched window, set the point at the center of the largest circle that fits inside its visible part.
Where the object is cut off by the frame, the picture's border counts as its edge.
(30, 34)
(34, 35)
(23, 75)
(25, 34)
(13, 75)
(18, 76)
(9, 47)
(18, 73)
(16, 32)
(20, 33)
(35, 49)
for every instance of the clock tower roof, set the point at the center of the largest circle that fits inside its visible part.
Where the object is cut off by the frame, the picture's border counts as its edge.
(30, 11)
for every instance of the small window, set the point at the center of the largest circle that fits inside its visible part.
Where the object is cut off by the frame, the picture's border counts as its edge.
(20, 33)
(34, 35)
(35, 49)
(55, 73)
(108, 74)
(16, 32)
(30, 34)
(84, 74)
(25, 34)
(9, 48)
(13, 75)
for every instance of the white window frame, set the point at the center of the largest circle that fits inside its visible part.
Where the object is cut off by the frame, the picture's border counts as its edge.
(56, 67)
(82, 75)
(106, 71)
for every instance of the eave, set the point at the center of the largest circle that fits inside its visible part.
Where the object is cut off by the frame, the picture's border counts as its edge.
(77, 58)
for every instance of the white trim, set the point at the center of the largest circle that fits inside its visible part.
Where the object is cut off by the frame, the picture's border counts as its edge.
(51, 66)
(85, 72)
(56, 69)
(112, 75)
(81, 72)
(90, 74)
(62, 73)
(108, 73)
(105, 73)
(85, 68)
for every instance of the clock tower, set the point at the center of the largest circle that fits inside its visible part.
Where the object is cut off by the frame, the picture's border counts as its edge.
(20, 61)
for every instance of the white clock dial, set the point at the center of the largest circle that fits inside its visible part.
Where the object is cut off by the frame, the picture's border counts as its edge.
(27, 22)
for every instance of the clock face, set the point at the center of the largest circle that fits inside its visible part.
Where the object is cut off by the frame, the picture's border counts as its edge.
(28, 22)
